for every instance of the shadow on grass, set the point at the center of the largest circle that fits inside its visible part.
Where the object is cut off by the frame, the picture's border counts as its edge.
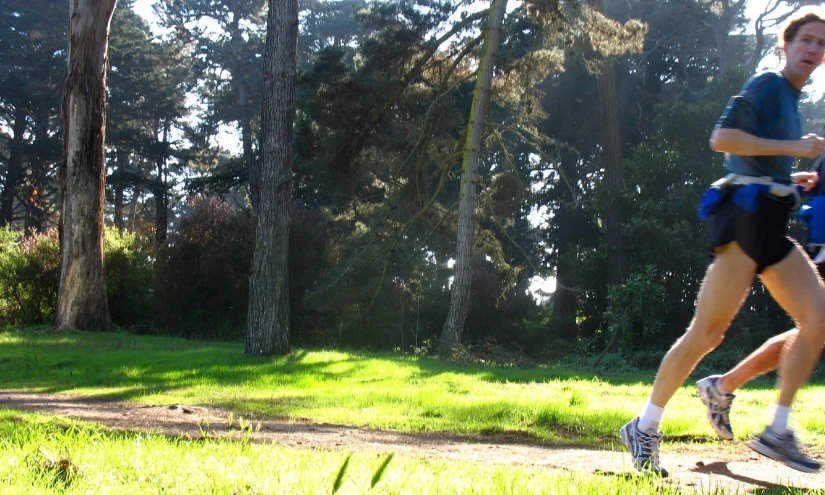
(129, 366)
(163, 363)
(64, 361)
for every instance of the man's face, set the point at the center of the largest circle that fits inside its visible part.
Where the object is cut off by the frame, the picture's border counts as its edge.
(805, 52)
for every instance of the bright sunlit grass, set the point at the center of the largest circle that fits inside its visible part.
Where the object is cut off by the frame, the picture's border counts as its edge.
(46, 455)
(380, 390)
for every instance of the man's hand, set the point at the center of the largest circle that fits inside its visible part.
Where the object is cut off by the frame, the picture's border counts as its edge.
(810, 146)
(806, 179)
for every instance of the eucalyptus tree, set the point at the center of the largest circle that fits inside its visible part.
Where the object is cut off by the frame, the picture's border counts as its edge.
(771, 16)
(81, 297)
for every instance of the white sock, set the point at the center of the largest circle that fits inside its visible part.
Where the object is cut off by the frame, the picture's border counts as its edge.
(780, 419)
(651, 417)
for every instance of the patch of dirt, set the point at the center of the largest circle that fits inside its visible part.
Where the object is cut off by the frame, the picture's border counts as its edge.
(693, 466)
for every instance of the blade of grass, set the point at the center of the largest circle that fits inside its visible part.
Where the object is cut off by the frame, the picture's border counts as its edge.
(376, 477)
(339, 479)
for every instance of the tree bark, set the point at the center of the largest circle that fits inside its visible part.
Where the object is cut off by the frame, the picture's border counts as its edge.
(613, 170)
(614, 175)
(268, 314)
(14, 171)
(460, 296)
(81, 298)
(568, 220)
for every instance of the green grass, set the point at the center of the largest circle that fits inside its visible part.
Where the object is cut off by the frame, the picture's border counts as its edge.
(380, 390)
(44, 455)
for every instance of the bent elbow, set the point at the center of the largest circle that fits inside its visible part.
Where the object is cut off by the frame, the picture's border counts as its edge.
(724, 140)
(715, 140)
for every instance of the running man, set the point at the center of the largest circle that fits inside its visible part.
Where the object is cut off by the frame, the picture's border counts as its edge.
(761, 135)
(716, 391)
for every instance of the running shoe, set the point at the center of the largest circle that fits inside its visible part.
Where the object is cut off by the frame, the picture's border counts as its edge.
(785, 449)
(643, 447)
(718, 405)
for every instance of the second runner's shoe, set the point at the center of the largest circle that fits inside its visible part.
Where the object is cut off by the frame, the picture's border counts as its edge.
(718, 405)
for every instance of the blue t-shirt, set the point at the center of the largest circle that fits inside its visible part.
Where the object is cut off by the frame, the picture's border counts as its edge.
(767, 107)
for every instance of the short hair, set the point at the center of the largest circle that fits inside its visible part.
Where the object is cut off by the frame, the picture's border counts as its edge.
(803, 16)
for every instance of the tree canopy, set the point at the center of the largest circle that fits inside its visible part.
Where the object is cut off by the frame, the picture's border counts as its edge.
(383, 93)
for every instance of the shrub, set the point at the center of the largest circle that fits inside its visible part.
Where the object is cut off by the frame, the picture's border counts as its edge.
(128, 278)
(635, 307)
(30, 274)
(202, 272)
(488, 352)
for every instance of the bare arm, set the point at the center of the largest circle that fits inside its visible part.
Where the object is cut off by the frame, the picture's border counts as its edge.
(738, 142)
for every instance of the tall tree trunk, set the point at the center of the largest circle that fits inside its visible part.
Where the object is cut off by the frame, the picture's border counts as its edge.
(14, 170)
(568, 220)
(81, 297)
(613, 170)
(460, 296)
(268, 315)
(614, 174)
(721, 28)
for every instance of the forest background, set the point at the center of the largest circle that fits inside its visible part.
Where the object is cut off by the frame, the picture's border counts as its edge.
(383, 95)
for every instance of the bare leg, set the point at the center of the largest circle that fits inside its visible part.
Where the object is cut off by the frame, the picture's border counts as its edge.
(796, 286)
(759, 362)
(724, 289)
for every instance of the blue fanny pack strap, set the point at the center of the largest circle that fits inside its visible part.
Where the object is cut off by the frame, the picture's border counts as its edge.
(748, 196)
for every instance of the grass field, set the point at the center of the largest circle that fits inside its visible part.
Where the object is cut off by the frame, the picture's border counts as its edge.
(380, 390)
(46, 455)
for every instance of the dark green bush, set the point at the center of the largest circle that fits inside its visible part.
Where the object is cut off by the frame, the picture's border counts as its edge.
(202, 273)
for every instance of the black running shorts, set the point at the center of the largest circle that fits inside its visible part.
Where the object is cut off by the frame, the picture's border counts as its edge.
(761, 234)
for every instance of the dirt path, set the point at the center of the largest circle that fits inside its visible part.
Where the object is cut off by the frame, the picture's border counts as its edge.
(733, 467)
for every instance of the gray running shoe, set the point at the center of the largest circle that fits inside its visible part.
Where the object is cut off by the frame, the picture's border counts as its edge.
(643, 447)
(784, 448)
(718, 405)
